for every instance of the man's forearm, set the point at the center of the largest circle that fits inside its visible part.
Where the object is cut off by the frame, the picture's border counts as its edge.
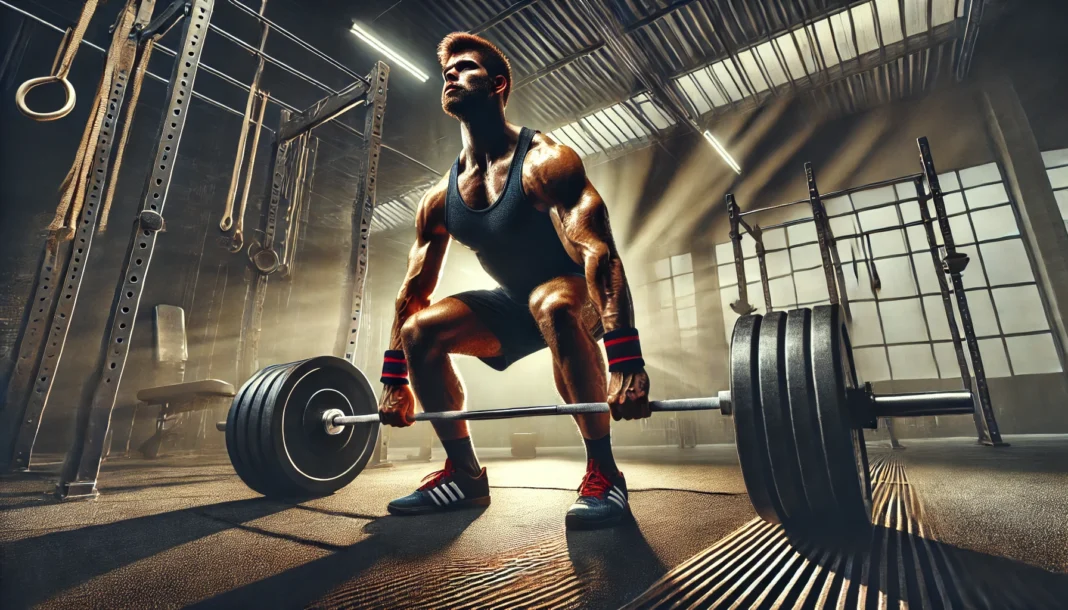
(407, 306)
(608, 286)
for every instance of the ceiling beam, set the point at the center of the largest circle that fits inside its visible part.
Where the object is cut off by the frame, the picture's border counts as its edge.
(504, 15)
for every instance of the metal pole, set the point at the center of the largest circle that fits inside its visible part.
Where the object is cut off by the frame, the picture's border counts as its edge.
(953, 264)
(80, 470)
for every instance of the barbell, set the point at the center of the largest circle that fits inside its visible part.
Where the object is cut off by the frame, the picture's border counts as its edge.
(309, 427)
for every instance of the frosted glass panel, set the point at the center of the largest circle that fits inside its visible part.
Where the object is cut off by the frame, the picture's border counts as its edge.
(775, 238)
(896, 276)
(1053, 158)
(684, 285)
(887, 243)
(866, 328)
(948, 366)
(727, 275)
(973, 276)
(961, 229)
(778, 263)
(724, 253)
(687, 318)
(994, 360)
(837, 205)
(954, 203)
(858, 287)
(948, 182)
(982, 311)
(811, 285)
(1033, 354)
(1020, 309)
(877, 219)
(866, 199)
(912, 362)
(681, 264)
(662, 269)
(1006, 262)
(993, 223)
(925, 271)
(802, 233)
(1058, 178)
(871, 364)
(903, 321)
(806, 256)
(986, 196)
(935, 309)
(843, 225)
(782, 293)
(982, 174)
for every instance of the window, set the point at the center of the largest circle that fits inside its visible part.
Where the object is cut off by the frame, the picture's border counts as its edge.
(901, 331)
(675, 291)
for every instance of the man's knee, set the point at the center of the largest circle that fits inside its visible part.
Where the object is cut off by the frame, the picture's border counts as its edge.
(556, 311)
(421, 337)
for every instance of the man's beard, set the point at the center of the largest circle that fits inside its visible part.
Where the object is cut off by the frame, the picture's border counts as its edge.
(463, 103)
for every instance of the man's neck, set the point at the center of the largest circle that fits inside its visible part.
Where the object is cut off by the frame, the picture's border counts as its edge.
(487, 139)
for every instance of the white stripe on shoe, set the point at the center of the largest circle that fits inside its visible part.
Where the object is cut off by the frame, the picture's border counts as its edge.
(433, 497)
(441, 496)
(612, 498)
(456, 489)
(614, 493)
(445, 488)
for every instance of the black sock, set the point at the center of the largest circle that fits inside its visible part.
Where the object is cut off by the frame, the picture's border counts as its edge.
(600, 451)
(462, 454)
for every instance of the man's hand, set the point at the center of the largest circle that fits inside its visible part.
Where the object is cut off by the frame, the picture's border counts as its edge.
(628, 395)
(397, 406)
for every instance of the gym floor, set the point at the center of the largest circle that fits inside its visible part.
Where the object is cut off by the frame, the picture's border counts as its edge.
(957, 525)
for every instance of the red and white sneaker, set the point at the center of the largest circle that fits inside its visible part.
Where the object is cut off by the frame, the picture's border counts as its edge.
(602, 500)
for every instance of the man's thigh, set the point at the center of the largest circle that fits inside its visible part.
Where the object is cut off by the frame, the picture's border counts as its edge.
(458, 329)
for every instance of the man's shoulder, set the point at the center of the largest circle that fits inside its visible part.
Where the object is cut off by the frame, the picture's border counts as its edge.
(550, 160)
(435, 195)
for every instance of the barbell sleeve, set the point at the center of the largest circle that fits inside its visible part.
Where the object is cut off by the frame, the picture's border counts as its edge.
(656, 406)
(918, 404)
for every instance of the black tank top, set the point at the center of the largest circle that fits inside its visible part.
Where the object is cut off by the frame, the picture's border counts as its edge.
(516, 244)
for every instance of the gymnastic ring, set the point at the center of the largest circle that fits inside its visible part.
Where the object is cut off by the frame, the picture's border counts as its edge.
(20, 98)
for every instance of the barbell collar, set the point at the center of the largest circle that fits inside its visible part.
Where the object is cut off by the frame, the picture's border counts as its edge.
(919, 404)
(331, 419)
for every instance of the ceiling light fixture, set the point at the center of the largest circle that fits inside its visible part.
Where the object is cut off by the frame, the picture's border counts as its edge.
(381, 47)
(722, 152)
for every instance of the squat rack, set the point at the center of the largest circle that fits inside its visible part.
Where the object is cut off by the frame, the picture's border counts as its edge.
(951, 263)
(45, 333)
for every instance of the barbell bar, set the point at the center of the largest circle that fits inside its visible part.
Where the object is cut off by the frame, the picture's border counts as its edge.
(309, 428)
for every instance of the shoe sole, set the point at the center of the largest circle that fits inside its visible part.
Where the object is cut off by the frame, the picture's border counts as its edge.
(424, 510)
(573, 522)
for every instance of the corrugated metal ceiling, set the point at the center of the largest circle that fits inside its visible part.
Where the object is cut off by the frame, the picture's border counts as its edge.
(719, 55)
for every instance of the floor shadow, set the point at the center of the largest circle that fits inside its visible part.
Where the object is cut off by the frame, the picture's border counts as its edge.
(615, 564)
(37, 568)
(396, 539)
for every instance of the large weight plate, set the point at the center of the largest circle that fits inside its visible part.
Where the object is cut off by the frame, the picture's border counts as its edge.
(775, 409)
(815, 477)
(832, 375)
(302, 458)
(748, 420)
(236, 424)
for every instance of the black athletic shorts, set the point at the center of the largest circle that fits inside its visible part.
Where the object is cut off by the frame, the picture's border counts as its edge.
(510, 321)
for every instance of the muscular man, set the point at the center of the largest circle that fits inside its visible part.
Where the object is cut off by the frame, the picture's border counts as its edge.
(522, 202)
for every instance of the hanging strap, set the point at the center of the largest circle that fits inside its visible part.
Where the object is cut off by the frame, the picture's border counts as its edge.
(68, 48)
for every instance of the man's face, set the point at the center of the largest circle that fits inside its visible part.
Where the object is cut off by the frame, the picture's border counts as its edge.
(467, 87)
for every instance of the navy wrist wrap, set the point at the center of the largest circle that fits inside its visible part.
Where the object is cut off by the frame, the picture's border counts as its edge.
(624, 350)
(394, 368)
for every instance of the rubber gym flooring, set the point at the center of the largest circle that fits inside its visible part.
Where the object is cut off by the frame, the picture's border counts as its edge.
(957, 525)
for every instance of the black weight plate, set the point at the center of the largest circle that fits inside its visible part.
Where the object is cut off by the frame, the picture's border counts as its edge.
(808, 438)
(307, 459)
(259, 425)
(775, 411)
(247, 429)
(748, 424)
(236, 433)
(831, 374)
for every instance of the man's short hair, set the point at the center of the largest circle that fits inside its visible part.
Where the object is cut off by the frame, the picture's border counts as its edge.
(493, 59)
